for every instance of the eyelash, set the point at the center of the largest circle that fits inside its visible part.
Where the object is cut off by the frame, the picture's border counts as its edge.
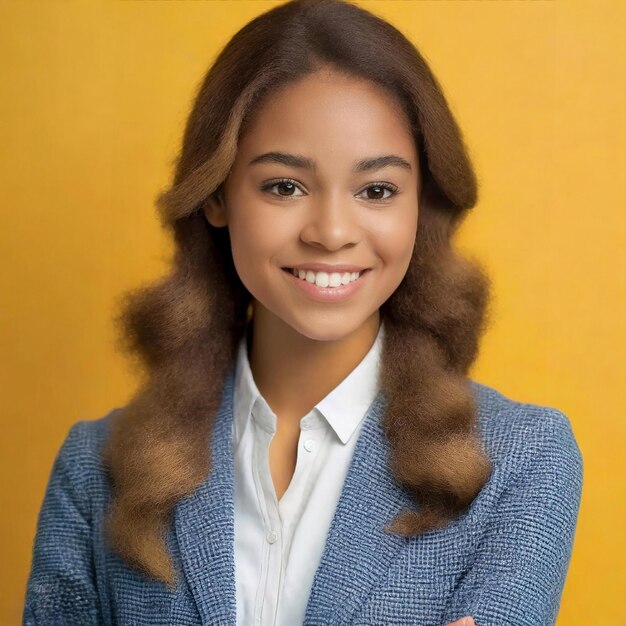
(272, 183)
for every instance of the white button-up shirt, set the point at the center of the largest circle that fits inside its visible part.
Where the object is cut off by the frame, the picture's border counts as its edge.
(279, 544)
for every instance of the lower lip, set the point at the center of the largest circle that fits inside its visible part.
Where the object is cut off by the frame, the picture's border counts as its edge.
(328, 294)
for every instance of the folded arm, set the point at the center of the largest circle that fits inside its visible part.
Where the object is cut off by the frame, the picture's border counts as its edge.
(60, 588)
(519, 570)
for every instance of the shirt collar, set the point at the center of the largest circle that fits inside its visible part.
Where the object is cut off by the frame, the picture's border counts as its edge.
(343, 408)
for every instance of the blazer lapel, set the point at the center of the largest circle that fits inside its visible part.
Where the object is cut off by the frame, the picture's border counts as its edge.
(204, 523)
(358, 552)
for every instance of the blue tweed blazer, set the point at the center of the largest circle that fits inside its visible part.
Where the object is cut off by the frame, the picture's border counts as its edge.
(504, 561)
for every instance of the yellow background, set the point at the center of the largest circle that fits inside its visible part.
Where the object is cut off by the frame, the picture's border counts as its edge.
(94, 96)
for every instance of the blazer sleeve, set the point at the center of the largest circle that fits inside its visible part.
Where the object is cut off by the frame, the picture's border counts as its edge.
(519, 570)
(61, 586)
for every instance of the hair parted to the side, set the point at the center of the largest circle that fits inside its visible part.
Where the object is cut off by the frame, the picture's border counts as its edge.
(184, 329)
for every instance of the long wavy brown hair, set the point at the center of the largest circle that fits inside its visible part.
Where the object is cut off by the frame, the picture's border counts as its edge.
(182, 330)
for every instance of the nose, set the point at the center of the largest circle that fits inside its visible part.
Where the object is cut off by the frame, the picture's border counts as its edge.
(331, 223)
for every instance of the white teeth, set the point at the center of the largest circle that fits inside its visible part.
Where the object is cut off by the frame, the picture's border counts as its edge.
(334, 280)
(324, 279)
(321, 279)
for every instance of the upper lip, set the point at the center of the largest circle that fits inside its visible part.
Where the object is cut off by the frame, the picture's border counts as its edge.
(323, 267)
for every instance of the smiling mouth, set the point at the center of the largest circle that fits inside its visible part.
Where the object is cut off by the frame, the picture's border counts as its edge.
(352, 278)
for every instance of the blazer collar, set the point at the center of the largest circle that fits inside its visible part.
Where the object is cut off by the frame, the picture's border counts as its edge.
(357, 553)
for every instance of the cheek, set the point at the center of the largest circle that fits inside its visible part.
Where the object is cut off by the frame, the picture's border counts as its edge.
(256, 242)
(395, 240)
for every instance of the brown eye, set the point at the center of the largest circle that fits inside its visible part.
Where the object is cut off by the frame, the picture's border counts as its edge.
(286, 187)
(376, 192)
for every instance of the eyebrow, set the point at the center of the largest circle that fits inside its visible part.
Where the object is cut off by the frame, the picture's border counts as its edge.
(364, 165)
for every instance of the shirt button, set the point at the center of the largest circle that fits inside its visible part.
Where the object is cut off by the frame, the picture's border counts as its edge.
(309, 445)
(272, 536)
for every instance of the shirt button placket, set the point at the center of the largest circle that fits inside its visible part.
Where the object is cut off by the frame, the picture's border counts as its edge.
(273, 536)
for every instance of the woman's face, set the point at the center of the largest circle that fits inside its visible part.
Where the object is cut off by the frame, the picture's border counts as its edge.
(307, 187)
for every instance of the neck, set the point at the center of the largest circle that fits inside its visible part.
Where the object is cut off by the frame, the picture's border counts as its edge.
(293, 372)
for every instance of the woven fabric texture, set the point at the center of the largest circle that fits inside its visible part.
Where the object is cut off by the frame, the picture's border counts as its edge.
(504, 561)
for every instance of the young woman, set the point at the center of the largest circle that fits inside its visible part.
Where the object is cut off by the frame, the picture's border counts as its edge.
(306, 446)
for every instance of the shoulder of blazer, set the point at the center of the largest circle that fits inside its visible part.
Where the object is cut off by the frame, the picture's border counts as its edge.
(514, 432)
(80, 457)
(511, 432)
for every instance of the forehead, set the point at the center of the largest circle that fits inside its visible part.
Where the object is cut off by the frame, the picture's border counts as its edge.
(329, 115)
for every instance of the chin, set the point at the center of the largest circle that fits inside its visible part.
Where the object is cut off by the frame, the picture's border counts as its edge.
(328, 330)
